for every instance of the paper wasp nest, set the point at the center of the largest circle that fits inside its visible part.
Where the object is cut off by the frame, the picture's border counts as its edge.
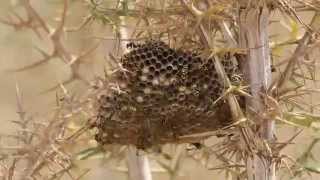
(161, 95)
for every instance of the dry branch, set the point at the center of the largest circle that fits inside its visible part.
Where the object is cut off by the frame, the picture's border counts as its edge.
(39, 25)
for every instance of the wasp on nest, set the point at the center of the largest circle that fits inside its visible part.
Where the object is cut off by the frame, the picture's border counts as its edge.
(163, 94)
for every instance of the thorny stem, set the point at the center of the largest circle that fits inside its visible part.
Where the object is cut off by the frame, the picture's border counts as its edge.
(32, 13)
(253, 23)
(299, 52)
(42, 153)
(35, 22)
(137, 13)
(236, 111)
(253, 27)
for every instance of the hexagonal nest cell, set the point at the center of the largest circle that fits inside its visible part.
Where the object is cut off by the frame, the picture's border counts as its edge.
(160, 95)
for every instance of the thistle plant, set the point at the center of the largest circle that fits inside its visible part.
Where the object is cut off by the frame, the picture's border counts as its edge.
(275, 86)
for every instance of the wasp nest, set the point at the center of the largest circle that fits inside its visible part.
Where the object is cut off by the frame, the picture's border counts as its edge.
(161, 94)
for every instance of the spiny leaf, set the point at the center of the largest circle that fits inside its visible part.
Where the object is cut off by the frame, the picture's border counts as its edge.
(313, 167)
(301, 119)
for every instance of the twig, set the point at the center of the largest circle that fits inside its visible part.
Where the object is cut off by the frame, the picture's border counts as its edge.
(59, 49)
(298, 53)
(12, 170)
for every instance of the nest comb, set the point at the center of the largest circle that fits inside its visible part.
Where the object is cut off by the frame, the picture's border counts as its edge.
(162, 94)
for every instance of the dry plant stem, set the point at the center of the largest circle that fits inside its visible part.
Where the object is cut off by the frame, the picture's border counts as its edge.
(138, 165)
(236, 111)
(231, 99)
(299, 52)
(39, 25)
(237, 114)
(46, 150)
(253, 23)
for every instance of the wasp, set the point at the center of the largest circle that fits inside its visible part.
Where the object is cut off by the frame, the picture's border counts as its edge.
(131, 45)
(184, 72)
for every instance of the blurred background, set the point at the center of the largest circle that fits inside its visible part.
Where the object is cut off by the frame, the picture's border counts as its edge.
(18, 49)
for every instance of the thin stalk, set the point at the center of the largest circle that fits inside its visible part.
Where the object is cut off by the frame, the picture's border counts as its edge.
(138, 165)
(299, 52)
(253, 21)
